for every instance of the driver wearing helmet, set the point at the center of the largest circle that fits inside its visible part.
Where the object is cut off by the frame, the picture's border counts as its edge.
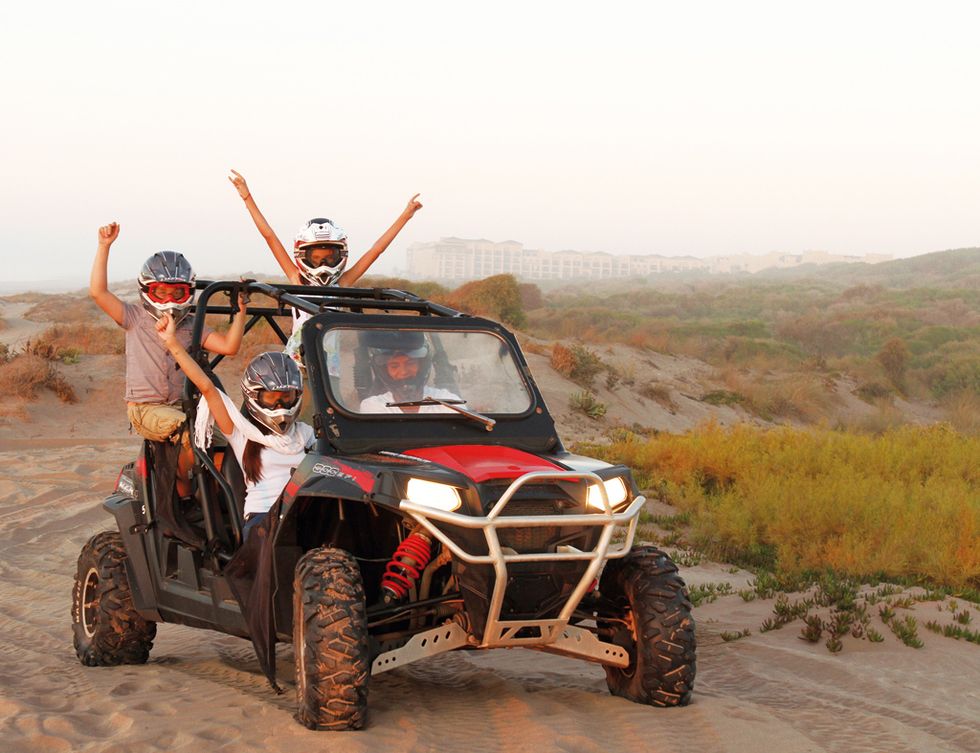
(319, 253)
(401, 362)
(266, 438)
(153, 382)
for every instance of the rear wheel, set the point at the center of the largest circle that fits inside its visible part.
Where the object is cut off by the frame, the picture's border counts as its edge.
(107, 628)
(647, 612)
(330, 641)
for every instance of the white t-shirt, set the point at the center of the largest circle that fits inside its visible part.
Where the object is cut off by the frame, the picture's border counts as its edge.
(331, 344)
(378, 403)
(277, 467)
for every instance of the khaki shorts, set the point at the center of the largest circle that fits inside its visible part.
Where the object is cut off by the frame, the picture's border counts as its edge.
(158, 422)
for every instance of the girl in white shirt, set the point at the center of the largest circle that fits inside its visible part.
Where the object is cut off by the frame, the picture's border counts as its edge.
(267, 440)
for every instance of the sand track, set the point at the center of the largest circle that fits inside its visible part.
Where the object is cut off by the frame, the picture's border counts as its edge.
(204, 691)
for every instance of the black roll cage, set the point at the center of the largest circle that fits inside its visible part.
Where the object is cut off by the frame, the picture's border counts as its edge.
(312, 300)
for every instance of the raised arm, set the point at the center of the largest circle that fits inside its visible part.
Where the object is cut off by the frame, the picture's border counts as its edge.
(228, 343)
(98, 286)
(352, 275)
(167, 332)
(272, 240)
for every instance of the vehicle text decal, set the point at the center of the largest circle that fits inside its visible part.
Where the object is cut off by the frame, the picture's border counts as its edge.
(343, 472)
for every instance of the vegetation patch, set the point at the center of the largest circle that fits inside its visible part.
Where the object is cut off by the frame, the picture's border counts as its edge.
(587, 403)
(899, 505)
(25, 374)
(66, 341)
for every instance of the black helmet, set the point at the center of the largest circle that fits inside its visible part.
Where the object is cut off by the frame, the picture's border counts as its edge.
(273, 372)
(383, 345)
(166, 283)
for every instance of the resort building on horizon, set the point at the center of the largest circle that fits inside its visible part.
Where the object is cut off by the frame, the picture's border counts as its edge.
(456, 259)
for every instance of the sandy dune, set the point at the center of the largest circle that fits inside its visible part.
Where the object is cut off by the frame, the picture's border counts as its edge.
(204, 691)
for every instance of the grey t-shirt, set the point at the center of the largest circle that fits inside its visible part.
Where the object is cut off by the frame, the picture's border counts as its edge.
(152, 375)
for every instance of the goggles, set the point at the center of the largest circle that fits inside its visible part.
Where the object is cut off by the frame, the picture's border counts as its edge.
(170, 292)
(324, 254)
(278, 400)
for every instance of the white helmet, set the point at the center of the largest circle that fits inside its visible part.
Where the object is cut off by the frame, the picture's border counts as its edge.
(320, 234)
(166, 283)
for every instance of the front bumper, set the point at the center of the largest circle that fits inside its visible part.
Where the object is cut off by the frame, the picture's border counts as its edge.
(499, 632)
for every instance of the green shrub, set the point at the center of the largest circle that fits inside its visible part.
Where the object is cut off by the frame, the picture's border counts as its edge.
(586, 402)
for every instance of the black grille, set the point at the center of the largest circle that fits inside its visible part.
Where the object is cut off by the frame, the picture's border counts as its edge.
(530, 538)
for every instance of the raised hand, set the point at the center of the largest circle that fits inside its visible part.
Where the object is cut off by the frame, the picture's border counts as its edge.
(166, 329)
(108, 233)
(240, 185)
(413, 205)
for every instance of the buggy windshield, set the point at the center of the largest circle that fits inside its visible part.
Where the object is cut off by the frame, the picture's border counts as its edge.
(412, 372)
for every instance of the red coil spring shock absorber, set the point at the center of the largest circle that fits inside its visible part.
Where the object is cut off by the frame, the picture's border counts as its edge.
(406, 566)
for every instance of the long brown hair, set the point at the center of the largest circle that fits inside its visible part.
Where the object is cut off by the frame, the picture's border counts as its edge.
(252, 455)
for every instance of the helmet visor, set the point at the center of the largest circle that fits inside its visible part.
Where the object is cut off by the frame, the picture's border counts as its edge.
(278, 399)
(324, 254)
(169, 292)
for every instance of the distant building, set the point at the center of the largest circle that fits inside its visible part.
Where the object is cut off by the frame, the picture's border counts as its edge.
(456, 259)
(466, 259)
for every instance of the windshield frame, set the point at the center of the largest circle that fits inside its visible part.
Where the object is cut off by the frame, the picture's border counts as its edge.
(351, 432)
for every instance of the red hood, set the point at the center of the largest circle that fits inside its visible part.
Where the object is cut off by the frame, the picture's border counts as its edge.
(485, 462)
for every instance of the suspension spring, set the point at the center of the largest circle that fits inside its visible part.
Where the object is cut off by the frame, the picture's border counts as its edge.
(406, 566)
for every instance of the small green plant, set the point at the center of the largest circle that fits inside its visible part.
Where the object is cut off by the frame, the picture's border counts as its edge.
(722, 397)
(907, 631)
(729, 636)
(963, 617)
(954, 631)
(586, 402)
(748, 594)
(886, 613)
(812, 629)
(705, 593)
(873, 635)
(691, 558)
(69, 355)
(834, 644)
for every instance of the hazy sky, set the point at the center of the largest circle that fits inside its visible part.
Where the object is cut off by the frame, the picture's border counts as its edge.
(672, 128)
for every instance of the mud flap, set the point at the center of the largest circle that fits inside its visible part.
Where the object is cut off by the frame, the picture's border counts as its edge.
(250, 576)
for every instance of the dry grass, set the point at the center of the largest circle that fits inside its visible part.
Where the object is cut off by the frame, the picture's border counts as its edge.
(902, 504)
(800, 397)
(26, 374)
(74, 308)
(963, 409)
(82, 337)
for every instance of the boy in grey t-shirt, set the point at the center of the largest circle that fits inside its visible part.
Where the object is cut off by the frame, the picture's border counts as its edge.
(153, 381)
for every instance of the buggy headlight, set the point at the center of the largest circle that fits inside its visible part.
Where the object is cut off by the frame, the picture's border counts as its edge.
(616, 491)
(433, 494)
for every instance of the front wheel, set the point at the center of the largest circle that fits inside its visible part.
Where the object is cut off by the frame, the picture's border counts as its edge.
(107, 628)
(646, 611)
(330, 641)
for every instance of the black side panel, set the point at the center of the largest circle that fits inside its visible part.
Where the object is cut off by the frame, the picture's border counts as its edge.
(129, 517)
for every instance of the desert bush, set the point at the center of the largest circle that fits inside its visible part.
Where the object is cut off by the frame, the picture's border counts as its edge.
(963, 409)
(496, 297)
(659, 393)
(577, 363)
(872, 392)
(903, 504)
(81, 337)
(26, 374)
(586, 402)
(722, 397)
(894, 360)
